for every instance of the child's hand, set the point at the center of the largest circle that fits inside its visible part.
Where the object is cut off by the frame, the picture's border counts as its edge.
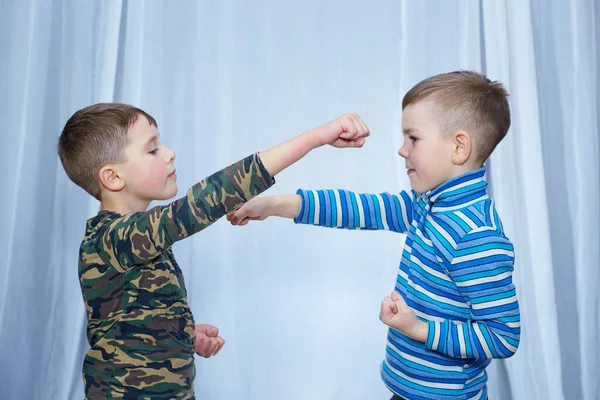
(207, 342)
(398, 315)
(255, 209)
(346, 131)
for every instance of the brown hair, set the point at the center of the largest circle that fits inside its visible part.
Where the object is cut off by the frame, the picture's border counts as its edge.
(94, 137)
(467, 101)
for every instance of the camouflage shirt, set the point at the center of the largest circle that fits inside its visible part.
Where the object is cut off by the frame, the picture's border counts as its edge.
(140, 327)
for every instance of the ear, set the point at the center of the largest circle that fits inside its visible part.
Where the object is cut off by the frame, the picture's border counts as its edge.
(463, 146)
(111, 179)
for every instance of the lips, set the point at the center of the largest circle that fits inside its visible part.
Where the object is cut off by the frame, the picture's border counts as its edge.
(172, 174)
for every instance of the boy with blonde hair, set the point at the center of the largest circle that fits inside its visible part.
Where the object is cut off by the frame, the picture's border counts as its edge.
(454, 307)
(140, 327)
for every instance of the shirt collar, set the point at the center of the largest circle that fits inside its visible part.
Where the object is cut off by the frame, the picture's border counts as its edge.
(458, 191)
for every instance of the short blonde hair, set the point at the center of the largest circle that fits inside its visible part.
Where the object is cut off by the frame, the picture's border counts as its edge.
(93, 137)
(467, 101)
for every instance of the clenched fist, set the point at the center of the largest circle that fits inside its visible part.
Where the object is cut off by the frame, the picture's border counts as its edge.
(397, 314)
(346, 131)
(207, 342)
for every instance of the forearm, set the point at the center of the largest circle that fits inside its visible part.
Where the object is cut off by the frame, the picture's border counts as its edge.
(419, 331)
(349, 210)
(285, 206)
(279, 157)
(466, 340)
(224, 191)
(475, 339)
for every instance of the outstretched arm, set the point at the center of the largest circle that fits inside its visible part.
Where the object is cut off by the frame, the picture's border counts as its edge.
(334, 209)
(138, 237)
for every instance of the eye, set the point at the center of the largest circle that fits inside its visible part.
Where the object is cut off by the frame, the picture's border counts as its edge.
(413, 139)
(153, 151)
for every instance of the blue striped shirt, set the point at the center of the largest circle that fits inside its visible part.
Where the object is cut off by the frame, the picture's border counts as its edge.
(455, 272)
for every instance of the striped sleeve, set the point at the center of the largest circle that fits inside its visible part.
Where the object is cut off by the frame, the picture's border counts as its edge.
(481, 267)
(348, 210)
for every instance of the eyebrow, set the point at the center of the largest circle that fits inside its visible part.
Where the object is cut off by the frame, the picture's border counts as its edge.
(152, 138)
(410, 131)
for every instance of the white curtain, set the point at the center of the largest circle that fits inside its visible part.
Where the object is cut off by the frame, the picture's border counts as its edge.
(298, 305)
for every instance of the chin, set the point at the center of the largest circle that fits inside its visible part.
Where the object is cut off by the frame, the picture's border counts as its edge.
(417, 188)
(420, 189)
(168, 194)
(171, 194)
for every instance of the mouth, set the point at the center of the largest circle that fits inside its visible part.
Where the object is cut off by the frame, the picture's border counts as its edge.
(410, 171)
(172, 175)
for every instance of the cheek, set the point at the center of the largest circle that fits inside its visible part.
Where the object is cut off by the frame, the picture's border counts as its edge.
(152, 174)
(156, 172)
(429, 159)
(441, 160)
(421, 157)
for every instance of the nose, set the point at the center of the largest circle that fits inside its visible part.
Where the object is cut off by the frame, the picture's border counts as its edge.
(402, 152)
(170, 155)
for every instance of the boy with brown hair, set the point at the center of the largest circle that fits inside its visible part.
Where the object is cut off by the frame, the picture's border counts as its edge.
(454, 307)
(140, 327)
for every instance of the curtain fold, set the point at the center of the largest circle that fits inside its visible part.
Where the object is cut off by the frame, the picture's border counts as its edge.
(298, 305)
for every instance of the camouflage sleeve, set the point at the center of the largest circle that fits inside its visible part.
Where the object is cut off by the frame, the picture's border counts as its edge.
(139, 237)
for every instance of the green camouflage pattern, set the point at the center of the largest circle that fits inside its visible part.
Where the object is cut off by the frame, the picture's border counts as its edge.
(140, 327)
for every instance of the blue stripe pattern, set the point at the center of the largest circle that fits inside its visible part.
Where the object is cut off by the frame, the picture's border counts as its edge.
(455, 272)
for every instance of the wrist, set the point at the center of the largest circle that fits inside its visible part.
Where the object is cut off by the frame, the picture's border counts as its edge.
(287, 206)
(271, 206)
(418, 331)
(312, 138)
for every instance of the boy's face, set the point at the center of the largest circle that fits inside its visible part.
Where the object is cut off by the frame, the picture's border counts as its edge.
(149, 172)
(427, 152)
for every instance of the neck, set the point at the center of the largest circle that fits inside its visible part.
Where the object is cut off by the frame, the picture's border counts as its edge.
(124, 206)
(459, 170)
